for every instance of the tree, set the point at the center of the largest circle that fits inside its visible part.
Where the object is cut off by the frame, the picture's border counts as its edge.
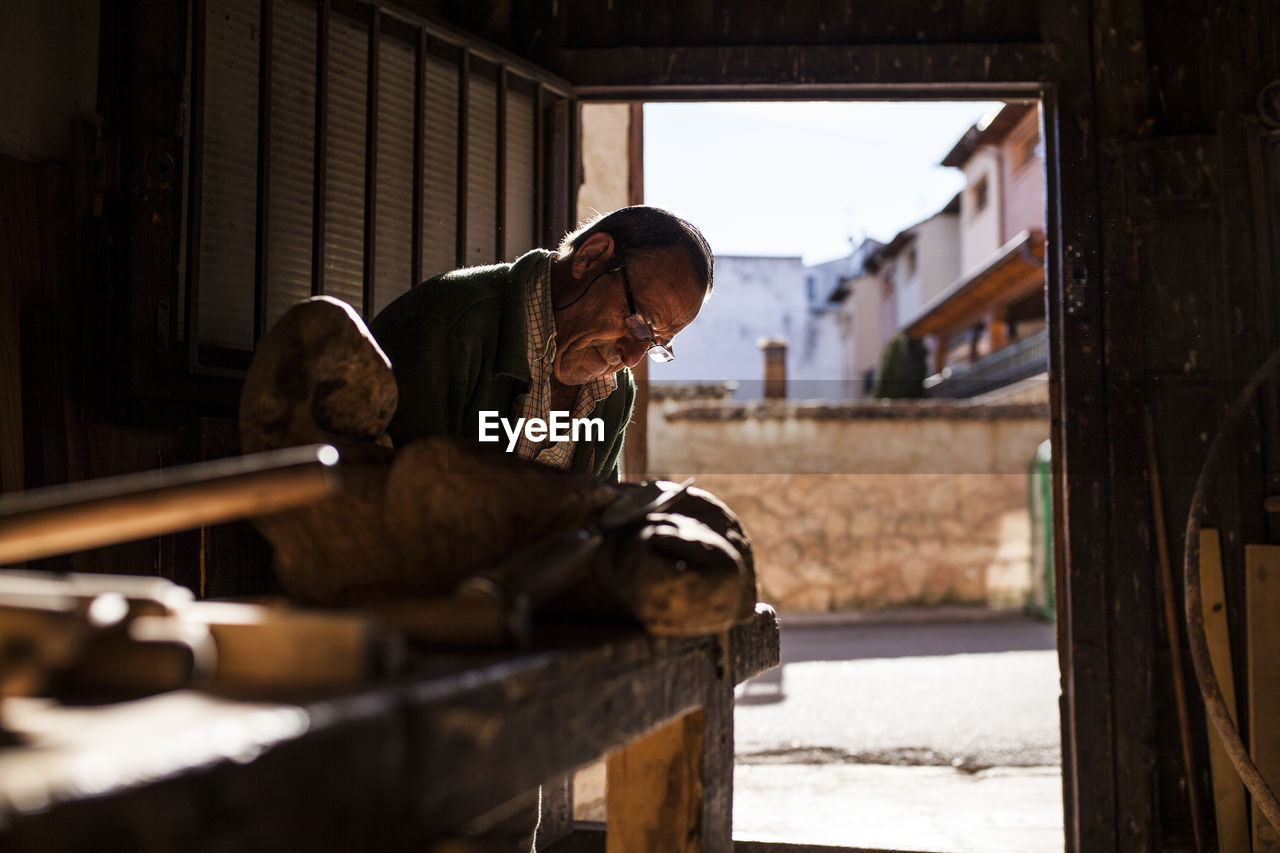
(902, 368)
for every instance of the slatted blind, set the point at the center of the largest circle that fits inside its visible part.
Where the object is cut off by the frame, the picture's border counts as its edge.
(228, 200)
(520, 186)
(482, 165)
(440, 175)
(343, 149)
(393, 244)
(291, 190)
(345, 165)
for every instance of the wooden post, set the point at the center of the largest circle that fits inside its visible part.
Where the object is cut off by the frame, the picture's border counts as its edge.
(997, 330)
(655, 790)
(635, 452)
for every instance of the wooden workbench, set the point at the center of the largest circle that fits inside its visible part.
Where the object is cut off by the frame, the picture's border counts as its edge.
(406, 764)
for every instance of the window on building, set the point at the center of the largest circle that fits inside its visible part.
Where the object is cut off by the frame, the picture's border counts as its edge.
(1026, 150)
(978, 195)
(909, 262)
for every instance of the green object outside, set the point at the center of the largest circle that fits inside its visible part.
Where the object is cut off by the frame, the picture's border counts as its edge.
(1042, 601)
(902, 368)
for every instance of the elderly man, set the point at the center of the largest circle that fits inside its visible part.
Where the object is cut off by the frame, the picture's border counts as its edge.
(553, 333)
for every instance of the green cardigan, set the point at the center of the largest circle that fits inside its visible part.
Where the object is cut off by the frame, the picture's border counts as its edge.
(457, 346)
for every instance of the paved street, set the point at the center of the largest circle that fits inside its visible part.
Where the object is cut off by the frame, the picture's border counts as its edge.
(927, 736)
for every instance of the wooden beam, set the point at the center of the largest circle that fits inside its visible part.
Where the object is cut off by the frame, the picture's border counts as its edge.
(806, 71)
(635, 461)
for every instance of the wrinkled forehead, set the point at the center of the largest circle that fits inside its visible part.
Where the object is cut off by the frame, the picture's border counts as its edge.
(668, 289)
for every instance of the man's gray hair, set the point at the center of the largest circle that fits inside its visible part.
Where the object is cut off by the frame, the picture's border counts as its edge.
(639, 230)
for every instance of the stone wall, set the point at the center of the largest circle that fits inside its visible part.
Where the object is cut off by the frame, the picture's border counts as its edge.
(866, 507)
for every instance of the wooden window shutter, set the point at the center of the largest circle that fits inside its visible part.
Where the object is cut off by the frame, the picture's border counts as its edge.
(352, 149)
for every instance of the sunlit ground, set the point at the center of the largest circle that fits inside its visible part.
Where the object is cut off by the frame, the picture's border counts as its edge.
(932, 738)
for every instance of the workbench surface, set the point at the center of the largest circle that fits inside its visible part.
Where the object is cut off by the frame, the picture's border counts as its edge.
(391, 765)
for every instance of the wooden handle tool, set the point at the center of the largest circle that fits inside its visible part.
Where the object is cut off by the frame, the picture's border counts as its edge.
(75, 516)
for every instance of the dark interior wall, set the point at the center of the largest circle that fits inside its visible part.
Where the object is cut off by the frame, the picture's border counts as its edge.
(1187, 186)
(84, 230)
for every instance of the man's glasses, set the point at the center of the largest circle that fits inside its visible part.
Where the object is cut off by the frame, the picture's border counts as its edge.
(640, 328)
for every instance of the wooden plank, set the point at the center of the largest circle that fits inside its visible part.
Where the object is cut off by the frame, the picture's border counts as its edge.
(1262, 594)
(1228, 790)
(634, 73)
(590, 838)
(655, 790)
(406, 761)
(1082, 495)
(1144, 751)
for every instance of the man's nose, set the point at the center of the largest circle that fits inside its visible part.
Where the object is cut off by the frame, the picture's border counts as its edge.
(632, 350)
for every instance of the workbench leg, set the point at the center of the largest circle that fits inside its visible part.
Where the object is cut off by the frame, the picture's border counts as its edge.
(672, 789)
(717, 755)
(655, 790)
(556, 820)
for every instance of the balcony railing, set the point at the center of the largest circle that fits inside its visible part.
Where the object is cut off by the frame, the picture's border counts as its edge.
(1021, 359)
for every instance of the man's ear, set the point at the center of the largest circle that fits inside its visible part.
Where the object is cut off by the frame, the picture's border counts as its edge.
(593, 252)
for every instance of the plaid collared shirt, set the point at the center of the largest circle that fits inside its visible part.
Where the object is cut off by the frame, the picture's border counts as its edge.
(541, 352)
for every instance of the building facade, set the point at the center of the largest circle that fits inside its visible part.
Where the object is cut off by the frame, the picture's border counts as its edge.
(986, 331)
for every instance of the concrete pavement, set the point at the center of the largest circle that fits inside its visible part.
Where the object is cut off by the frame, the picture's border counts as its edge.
(925, 736)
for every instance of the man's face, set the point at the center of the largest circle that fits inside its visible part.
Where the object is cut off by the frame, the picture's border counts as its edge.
(592, 339)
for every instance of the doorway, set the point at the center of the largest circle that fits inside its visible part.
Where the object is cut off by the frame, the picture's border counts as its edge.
(920, 610)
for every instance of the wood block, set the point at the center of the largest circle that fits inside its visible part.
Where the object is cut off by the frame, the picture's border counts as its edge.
(655, 790)
(1228, 790)
(1262, 592)
(262, 648)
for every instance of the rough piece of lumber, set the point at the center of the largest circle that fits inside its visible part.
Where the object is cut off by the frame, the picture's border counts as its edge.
(1262, 592)
(419, 520)
(655, 790)
(281, 649)
(1228, 790)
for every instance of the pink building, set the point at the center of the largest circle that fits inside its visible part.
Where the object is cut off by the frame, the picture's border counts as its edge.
(986, 330)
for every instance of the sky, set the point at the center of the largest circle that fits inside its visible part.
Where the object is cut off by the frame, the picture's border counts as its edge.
(802, 178)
